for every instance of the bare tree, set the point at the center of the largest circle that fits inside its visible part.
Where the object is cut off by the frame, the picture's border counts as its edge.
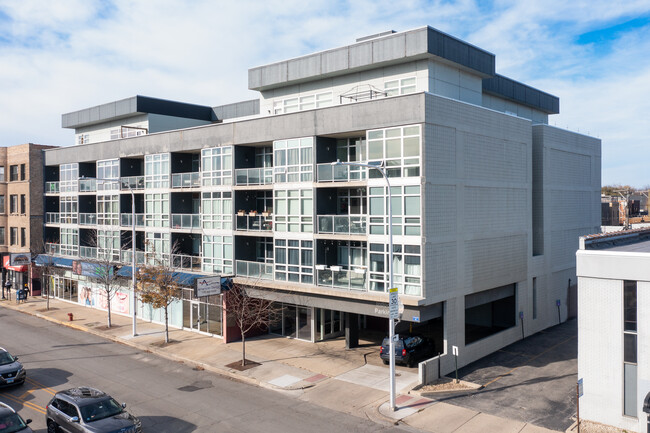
(248, 312)
(45, 262)
(102, 271)
(158, 285)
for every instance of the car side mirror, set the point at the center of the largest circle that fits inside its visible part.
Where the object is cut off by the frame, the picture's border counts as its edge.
(15, 358)
(123, 405)
(74, 419)
(28, 421)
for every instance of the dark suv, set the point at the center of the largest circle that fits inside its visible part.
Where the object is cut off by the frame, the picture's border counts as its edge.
(408, 349)
(89, 410)
(11, 371)
(11, 422)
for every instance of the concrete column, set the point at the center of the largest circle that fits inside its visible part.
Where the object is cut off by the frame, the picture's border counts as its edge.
(351, 330)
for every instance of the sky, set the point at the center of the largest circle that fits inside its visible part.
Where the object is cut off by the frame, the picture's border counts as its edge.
(66, 55)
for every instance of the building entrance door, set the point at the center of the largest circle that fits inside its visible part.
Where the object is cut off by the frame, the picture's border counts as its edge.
(199, 319)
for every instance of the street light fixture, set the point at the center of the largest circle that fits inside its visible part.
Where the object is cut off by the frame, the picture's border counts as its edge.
(133, 283)
(391, 319)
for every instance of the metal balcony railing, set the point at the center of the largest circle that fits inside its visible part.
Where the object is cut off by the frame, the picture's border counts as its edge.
(347, 279)
(52, 187)
(52, 218)
(131, 183)
(87, 219)
(190, 263)
(254, 223)
(263, 271)
(186, 180)
(254, 176)
(340, 173)
(186, 221)
(126, 218)
(342, 224)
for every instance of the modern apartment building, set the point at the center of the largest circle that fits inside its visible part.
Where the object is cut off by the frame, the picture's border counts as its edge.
(21, 211)
(613, 276)
(488, 200)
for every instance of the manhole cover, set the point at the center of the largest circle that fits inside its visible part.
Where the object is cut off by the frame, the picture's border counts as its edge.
(201, 384)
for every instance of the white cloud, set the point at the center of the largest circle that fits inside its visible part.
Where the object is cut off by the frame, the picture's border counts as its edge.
(71, 54)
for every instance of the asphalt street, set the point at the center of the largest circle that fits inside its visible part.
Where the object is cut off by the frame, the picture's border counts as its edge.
(167, 396)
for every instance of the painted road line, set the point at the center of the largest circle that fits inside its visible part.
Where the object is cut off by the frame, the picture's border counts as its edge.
(28, 404)
(40, 386)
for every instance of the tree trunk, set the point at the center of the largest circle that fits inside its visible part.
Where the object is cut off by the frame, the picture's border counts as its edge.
(47, 290)
(166, 324)
(108, 299)
(243, 350)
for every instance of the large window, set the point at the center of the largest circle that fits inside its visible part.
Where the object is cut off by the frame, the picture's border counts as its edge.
(2, 173)
(69, 177)
(68, 208)
(157, 246)
(216, 166)
(22, 172)
(156, 170)
(13, 232)
(2, 204)
(108, 210)
(306, 102)
(216, 210)
(157, 210)
(400, 86)
(217, 254)
(405, 210)
(397, 148)
(13, 173)
(294, 260)
(108, 244)
(23, 204)
(629, 348)
(293, 210)
(407, 268)
(109, 169)
(13, 203)
(2, 236)
(293, 160)
(69, 242)
(23, 236)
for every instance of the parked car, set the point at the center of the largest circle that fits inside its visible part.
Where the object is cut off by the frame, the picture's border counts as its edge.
(11, 422)
(12, 372)
(409, 349)
(88, 410)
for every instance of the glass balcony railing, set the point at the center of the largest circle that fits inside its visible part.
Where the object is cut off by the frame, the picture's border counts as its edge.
(337, 278)
(126, 218)
(186, 221)
(190, 263)
(87, 185)
(254, 176)
(51, 248)
(51, 187)
(340, 173)
(263, 271)
(87, 252)
(87, 219)
(186, 180)
(126, 257)
(254, 223)
(52, 218)
(131, 183)
(342, 224)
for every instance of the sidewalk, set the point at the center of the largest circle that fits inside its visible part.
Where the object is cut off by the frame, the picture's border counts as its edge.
(325, 373)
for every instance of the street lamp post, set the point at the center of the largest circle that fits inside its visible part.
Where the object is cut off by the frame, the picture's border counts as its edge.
(391, 320)
(133, 283)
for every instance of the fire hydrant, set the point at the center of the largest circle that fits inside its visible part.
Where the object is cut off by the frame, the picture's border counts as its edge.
(70, 317)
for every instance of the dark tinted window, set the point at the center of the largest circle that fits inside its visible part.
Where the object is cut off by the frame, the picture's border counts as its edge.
(6, 358)
(100, 410)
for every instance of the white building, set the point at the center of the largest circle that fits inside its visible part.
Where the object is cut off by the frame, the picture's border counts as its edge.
(613, 333)
(488, 199)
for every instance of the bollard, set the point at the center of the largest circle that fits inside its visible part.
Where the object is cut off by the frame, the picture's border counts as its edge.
(70, 317)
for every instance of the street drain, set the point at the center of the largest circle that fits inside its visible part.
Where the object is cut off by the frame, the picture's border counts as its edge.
(201, 384)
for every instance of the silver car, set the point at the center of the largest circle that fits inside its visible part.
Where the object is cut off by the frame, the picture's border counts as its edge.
(12, 372)
(11, 422)
(89, 410)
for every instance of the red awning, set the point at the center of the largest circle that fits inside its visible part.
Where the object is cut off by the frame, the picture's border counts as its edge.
(6, 261)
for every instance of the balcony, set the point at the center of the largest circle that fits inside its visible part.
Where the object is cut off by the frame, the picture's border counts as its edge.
(53, 249)
(87, 219)
(189, 263)
(342, 224)
(340, 173)
(87, 252)
(129, 183)
(126, 218)
(52, 218)
(186, 221)
(254, 176)
(87, 185)
(254, 223)
(51, 187)
(126, 257)
(186, 180)
(263, 271)
(338, 278)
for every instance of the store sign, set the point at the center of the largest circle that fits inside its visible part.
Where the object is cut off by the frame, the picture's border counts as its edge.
(207, 286)
(20, 259)
(91, 269)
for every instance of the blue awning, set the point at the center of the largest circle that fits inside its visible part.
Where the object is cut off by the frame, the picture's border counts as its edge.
(182, 278)
(59, 262)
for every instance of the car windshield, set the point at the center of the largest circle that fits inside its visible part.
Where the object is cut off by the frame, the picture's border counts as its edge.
(11, 423)
(6, 358)
(412, 341)
(100, 410)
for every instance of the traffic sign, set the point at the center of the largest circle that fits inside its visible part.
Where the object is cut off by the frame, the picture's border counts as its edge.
(393, 304)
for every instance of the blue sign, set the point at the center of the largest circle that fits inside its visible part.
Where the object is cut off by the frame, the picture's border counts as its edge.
(416, 318)
(557, 302)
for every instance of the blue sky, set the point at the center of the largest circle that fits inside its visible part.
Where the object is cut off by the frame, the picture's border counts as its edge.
(57, 57)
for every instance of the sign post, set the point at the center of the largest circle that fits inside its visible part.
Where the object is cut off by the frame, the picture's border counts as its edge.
(454, 350)
(579, 393)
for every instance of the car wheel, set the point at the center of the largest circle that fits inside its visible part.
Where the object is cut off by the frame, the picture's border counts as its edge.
(52, 427)
(410, 362)
(385, 361)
